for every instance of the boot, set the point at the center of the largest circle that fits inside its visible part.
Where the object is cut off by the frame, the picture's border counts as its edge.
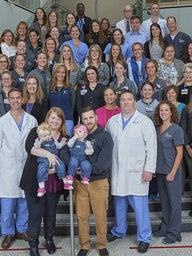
(34, 251)
(50, 245)
(34, 242)
(49, 229)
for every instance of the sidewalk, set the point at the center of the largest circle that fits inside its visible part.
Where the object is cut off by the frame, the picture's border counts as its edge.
(120, 247)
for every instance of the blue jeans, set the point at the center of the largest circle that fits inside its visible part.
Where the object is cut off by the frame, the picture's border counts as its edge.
(43, 168)
(84, 165)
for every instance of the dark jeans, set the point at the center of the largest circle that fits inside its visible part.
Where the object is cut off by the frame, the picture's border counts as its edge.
(44, 208)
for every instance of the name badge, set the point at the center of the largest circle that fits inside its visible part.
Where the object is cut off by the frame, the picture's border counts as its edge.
(184, 91)
(83, 91)
(21, 79)
(149, 109)
(6, 101)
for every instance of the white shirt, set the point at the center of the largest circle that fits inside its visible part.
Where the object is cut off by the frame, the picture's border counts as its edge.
(145, 27)
(122, 24)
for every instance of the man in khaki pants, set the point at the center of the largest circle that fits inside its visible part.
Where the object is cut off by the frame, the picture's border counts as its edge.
(95, 194)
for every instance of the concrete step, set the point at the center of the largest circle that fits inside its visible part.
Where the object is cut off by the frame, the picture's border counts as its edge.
(63, 217)
(63, 223)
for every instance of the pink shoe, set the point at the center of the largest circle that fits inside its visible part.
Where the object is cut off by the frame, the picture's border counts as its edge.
(68, 187)
(41, 192)
(85, 180)
(69, 179)
(65, 180)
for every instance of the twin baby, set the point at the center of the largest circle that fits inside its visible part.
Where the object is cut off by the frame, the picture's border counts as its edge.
(80, 148)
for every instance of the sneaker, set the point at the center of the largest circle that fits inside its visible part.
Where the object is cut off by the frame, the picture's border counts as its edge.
(69, 179)
(41, 192)
(85, 181)
(68, 186)
(104, 252)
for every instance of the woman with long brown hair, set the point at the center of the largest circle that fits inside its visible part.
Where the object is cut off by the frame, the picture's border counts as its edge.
(170, 142)
(39, 21)
(115, 54)
(96, 35)
(50, 49)
(33, 102)
(154, 48)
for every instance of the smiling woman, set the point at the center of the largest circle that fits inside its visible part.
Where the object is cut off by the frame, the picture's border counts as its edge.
(90, 94)
(62, 95)
(110, 109)
(6, 86)
(33, 102)
(170, 142)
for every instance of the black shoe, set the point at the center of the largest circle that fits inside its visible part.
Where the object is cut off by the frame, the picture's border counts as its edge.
(50, 246)
(158, 234)
(143, 247)
(104, 252)
(190, 213)
(34, 251)
(82, 252)
(111, 238)
(168, 241)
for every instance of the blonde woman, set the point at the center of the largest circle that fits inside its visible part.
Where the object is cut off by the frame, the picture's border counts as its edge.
(62, 95)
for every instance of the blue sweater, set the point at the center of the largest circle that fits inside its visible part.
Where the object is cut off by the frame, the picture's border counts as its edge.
(62, 98)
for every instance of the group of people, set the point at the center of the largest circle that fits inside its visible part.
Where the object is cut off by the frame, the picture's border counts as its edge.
(104, 112)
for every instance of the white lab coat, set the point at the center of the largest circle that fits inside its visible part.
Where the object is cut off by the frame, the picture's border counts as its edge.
(135, 150)
(13, 154)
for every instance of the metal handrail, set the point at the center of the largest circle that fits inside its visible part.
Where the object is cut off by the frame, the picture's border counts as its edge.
(18, 5)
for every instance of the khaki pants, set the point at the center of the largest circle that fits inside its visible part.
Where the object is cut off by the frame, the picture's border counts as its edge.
(95, 196)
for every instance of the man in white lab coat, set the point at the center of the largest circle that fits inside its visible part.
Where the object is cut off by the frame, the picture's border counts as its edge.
(133, 164)
(14, 128)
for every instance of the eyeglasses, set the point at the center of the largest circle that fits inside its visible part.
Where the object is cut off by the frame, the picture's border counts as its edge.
(94, 50)
(3, 61)
(22, 28)
(6, 79)
(188, 73)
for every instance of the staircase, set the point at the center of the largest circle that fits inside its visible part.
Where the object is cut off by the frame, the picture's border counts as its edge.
(63, 217)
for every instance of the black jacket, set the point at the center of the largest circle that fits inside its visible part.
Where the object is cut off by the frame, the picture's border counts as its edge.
(29, 177)
(100, 160)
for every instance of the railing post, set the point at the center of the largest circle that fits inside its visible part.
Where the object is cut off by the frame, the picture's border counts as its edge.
(71, 223)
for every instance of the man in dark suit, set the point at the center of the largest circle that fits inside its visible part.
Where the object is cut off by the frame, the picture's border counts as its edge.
(83, 21)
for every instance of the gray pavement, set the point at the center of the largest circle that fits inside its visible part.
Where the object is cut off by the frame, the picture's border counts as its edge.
(120, 247)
